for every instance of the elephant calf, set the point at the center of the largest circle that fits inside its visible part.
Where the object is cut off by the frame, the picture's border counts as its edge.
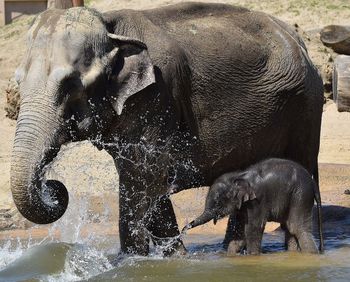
(272, 190)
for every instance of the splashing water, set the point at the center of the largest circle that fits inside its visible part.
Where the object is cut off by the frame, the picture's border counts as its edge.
(83, 244)
(77, 236)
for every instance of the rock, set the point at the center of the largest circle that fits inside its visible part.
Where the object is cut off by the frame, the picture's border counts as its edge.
(336, 37)
(341, 83)
(12, 99)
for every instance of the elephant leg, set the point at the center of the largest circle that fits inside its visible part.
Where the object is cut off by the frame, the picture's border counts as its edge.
(301, 227)
(254, 230)
(163, 227)
(235, 247)
(306, 242)
(290, 241)
(234, 240)
(253, 236)
(230, 229)
(133, 238)
(303, 233)
(132, 230)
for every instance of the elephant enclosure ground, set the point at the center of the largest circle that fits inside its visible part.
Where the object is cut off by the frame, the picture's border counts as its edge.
(90, 175)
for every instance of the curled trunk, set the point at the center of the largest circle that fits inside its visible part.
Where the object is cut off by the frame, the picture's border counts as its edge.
(36, 144)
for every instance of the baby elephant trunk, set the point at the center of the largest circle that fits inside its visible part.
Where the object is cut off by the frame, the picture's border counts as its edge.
(205, 217)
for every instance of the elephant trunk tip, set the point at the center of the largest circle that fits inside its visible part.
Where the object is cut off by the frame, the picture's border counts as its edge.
(205, 217)
(48, 206)
(56, 197)
(173, 189)
(187, 227)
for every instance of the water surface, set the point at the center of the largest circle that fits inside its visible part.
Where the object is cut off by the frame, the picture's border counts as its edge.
(52, 260)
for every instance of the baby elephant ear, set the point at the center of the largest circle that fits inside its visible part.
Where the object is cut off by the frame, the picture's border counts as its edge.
(244, 192)
(133, 70)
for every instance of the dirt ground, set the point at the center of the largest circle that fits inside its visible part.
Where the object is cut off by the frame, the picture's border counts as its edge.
(94, 175)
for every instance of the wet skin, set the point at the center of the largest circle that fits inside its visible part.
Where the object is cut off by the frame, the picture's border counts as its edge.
(272, 190)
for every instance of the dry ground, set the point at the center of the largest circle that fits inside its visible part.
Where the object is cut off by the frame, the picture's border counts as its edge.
(94, 174)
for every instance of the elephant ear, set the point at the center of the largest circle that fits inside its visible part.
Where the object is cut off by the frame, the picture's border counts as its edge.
(132, 72)
(243, 192)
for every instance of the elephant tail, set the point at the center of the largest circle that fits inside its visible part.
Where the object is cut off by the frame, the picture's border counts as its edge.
(319, 216)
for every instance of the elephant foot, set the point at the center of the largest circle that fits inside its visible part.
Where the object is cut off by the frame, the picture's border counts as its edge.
(133, 241)
(163, 229)
(234, 247)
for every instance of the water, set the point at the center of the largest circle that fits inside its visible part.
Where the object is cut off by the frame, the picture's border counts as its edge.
(83, 246)
(97, 260)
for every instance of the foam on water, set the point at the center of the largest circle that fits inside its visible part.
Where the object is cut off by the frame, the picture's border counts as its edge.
(76, 256)
(84, 257)
(81, 263)
(8, 254)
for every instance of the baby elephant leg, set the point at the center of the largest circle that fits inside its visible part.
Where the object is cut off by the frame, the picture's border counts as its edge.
(231, 229)
(290, 241)
(254, 230)
(302, 229)
(306, 242)
(253, 240)
(237, 241)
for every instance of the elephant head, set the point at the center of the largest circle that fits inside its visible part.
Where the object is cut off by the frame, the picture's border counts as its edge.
(225, 196)
(74, 77)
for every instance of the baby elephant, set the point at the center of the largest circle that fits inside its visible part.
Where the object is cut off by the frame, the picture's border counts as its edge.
(272, 190)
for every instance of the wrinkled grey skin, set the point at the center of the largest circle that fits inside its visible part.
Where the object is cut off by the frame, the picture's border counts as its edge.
(272, 190)
(176, 95)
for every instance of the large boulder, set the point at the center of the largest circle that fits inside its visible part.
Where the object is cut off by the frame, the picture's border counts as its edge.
(336, 37)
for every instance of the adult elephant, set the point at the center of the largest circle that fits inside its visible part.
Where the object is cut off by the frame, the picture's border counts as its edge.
(176, 95)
